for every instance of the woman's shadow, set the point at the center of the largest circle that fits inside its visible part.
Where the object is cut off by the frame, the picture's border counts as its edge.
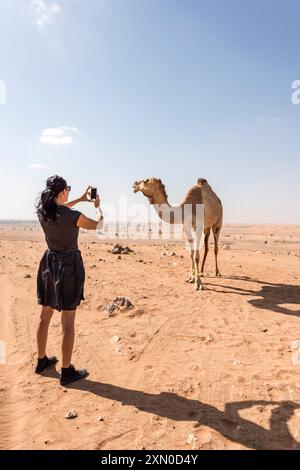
(228, 422)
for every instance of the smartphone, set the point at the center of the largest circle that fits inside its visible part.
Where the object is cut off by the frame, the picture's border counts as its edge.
(93, 193)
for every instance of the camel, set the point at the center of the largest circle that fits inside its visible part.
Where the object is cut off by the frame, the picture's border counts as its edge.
(200, 193)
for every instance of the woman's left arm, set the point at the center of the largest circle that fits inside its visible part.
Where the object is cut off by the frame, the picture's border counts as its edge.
(72, 203)
(82, 198)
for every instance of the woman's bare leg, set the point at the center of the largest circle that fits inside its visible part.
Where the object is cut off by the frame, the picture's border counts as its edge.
(42, 331)
(68, 330)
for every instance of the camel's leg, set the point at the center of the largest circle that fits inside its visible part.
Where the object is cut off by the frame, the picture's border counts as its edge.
(216, 232)
(188, 234)
(192, 278)
(206, 238)
(199, 285)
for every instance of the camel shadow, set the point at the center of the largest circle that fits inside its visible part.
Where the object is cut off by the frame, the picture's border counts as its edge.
(229, 423)
(271, 296)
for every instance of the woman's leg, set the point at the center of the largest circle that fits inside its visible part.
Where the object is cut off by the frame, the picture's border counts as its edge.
(42, 331)
(68, 330)
(69, 373)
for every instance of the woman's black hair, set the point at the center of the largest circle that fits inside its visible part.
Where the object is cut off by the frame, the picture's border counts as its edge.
(46, 206)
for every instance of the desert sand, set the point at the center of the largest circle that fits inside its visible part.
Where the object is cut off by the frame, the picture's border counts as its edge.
(182, 370)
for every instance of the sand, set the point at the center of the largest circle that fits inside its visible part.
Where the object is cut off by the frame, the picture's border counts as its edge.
(189, 370)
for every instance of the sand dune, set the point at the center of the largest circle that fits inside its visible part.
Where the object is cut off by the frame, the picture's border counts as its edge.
(190, 370)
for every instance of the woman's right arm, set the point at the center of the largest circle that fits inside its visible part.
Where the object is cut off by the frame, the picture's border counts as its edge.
(90, 224)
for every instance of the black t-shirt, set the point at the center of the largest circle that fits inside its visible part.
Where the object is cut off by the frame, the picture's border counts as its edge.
(62, 234)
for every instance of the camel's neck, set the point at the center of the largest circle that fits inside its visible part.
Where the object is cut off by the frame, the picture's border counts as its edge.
(166, 212)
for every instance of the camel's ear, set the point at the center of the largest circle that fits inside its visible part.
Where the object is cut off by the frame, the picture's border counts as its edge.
(201, 181)
(160, 182)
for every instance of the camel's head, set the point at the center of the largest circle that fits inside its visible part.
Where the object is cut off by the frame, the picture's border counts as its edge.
(148, 187)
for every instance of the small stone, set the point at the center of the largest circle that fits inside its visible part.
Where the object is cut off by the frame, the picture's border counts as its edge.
(265, 330)
(27, 276)
(295, 344)
(119, 257)
(226, 247)
(115, 339)
(100, 418)
(116, 249)
(191, 439)
(240, 428)
(204, 437)
(123, 302)
(119, 249)
(296, 357)
(111, 309)
(236, 362)
(71, 414)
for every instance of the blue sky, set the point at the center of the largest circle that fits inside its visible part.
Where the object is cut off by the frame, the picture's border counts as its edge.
(110, 91)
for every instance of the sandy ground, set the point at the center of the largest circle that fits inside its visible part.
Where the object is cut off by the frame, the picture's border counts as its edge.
(191, 370)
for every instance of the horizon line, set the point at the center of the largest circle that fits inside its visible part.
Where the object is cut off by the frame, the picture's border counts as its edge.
(123, 222)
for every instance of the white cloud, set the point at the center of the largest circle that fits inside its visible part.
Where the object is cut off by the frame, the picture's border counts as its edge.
(38, 166)
(58, 135)
(43, 12)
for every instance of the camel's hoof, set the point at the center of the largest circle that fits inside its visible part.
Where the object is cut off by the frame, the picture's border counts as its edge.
(218, 274)
(190, 280)
(200, 287)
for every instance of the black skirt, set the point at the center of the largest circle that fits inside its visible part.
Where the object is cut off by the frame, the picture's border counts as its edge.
(60, 280)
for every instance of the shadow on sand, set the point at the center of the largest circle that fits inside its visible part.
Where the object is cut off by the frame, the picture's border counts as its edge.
(228, 422)
(270, 296)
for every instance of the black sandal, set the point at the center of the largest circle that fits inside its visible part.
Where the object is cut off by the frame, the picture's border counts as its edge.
(44, 363)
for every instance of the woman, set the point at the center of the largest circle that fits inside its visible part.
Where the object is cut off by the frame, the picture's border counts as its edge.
(61, 273)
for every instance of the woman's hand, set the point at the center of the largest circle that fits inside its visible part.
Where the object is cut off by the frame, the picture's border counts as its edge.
(97, 201)
(86, 196)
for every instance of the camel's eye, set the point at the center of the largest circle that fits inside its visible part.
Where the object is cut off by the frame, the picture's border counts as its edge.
(146, 181)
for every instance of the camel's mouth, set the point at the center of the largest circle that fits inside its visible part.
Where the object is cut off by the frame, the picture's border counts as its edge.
(136, 186)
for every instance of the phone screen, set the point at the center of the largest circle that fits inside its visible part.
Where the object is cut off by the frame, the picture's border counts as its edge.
(93, 193)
